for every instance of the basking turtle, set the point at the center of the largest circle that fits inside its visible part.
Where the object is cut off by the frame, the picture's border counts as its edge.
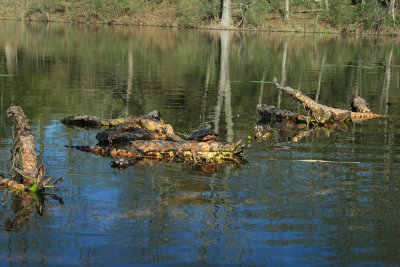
(203, 135)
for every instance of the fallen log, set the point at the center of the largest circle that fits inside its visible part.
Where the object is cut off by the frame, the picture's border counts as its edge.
(335, 114)
(24, 146)
(359, 104)
(25, 165)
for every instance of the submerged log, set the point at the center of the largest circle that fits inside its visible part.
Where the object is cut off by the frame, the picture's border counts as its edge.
(24, 147)
(336, 114)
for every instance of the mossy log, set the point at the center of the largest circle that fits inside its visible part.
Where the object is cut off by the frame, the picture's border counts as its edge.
(336, 114)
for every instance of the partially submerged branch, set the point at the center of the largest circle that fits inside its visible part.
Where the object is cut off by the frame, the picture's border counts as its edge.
(317, 109)
(25, 166)
(24, 147)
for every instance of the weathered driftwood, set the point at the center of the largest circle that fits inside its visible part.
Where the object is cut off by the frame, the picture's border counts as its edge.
(359, 104)
(336, 114)
(24, 147)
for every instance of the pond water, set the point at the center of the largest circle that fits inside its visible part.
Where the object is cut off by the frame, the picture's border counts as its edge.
(331, 198)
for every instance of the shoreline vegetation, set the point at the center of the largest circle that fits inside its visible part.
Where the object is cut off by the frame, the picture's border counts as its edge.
(380, 17)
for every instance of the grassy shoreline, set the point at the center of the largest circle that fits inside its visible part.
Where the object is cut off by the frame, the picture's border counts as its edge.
(182, 13)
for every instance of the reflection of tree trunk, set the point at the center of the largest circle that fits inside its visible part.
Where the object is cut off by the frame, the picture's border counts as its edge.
(320, 78)
(224, 89)
(358, 85)
(386, 82)
(388, 127)
(11, 57)
(283, 80)
(130, 80)
(204, 100)
(262, 87)
(226, 13)
(228, 111)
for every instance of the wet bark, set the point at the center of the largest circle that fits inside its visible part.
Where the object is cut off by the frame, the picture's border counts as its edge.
(24, 147)
(316, 109)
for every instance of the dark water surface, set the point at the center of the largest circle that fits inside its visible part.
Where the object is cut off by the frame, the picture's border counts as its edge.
(328, 199)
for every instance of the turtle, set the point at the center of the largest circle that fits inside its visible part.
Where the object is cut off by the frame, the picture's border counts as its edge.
(203, 135)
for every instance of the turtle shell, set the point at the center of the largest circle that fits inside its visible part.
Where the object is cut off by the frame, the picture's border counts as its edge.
(203, 135)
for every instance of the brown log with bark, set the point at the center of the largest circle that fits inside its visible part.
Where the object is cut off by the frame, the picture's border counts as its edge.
(24, 147)
(25, 166)
(316, 108)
